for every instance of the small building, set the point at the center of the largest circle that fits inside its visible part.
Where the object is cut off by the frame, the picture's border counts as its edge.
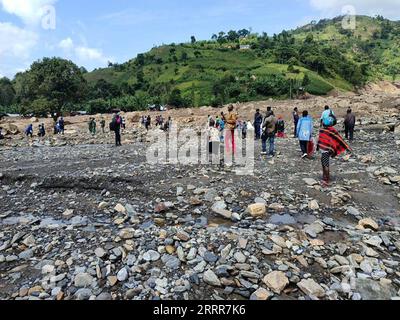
(245, 47)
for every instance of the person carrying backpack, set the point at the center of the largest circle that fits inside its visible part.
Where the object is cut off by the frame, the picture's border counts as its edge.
(330, 143)
(305, 132)
(269, 132)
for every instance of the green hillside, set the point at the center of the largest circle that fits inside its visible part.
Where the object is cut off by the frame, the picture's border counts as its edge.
(230, 67)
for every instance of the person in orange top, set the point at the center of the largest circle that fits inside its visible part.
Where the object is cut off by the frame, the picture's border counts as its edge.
(230, 126)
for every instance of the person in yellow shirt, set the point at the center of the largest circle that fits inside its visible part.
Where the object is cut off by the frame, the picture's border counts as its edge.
(230, 126)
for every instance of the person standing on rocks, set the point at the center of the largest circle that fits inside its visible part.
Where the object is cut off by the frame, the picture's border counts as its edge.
(148, 123)
(115, 126)
(103, 125)
(349, 125)
(330, 143)
(230, 145)
(29, 131)
(42, 130)
(269, 132)
(94, 126)
(1, 134)
(213, 143)
(61, 124)
(296, 119)
(280, 127)
(258, 120)
(305, 132)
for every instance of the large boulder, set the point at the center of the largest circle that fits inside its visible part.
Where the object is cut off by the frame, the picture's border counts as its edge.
(10, 129)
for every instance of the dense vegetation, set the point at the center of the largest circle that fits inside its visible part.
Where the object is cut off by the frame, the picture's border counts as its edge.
(233, 66)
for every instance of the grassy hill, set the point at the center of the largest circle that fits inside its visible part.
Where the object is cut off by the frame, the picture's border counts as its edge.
(241, 66)
(337, 59)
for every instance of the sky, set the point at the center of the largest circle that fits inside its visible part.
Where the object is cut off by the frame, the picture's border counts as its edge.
(93, 32)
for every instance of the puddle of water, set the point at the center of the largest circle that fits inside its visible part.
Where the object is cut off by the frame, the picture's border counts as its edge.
(10, 221)
(287, 219)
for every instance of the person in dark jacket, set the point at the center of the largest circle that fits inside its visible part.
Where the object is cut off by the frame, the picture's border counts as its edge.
(61, 124)
(258, 120)
(116, 125)
(42, 130)
(349, 125)
(29, 131)
(296, 119)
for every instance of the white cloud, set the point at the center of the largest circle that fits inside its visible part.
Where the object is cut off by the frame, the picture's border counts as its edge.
(90, 54)
(66, 44)
(15, 41)
(387, 8)
(82, 52)
(30, 11)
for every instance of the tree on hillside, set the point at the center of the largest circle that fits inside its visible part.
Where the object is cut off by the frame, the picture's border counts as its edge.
(393, 70)
(7, 92)
(105, 90)
(243, 33)
(175, 98)
(193, 39)
(56, 80)
(306, 81)
(140, 60)
(233, 36)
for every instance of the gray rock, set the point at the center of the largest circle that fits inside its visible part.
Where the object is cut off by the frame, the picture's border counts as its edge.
(211, 278)
(151, 256)
(83, 294)
(373, 290)
(122, 275)
(83, 280)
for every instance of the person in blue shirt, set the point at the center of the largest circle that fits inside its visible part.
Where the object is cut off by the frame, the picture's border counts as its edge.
(305, 132)
(29, 131)
(328, 118)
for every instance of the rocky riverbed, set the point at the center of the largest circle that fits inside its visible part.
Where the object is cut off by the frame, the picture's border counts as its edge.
(89, 221)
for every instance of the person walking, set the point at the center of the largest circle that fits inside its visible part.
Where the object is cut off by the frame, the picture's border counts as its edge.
(230, 145)
(305, 132)
(258, 120)
(269, 133)
(29, 131)
(103, 125)
(330, 143)
(61, 124)
(115, 126)
(296, 119)
(213, 143)
(349, 125)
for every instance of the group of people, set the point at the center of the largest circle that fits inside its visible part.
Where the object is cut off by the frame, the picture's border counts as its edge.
(269, 127)
(145, 121)
(59, 126)
(330, 143)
